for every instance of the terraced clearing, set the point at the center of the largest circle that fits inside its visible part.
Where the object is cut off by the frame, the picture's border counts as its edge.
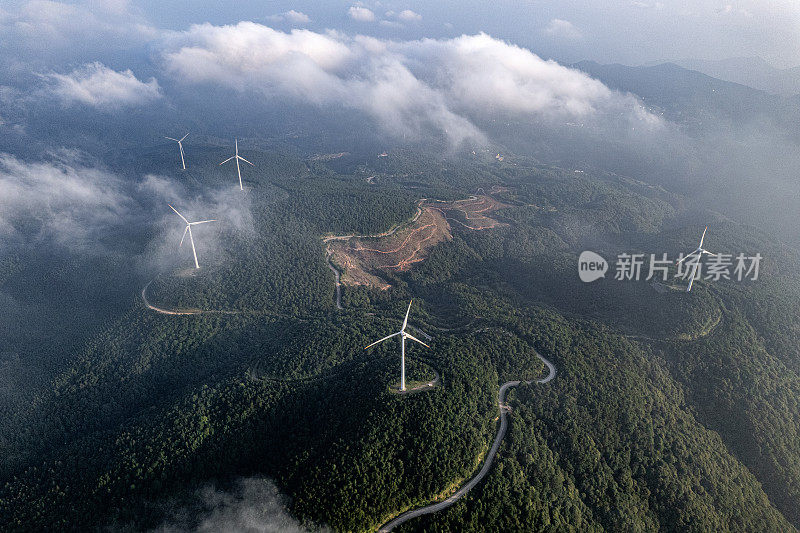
(472, 213)
(363, 259)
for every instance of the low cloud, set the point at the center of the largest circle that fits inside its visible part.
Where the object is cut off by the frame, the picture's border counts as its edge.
(253, 505)
(96, 85)
(231, 210)
(71, 202)
(163, 188)
(64, 200)
(562, 28)
(361, 14)
(445, 86)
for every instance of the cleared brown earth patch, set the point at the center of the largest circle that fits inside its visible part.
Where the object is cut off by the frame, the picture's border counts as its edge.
(362, 259)
(472, 213)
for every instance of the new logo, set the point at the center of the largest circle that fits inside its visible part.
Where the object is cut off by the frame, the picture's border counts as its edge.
(591, 266)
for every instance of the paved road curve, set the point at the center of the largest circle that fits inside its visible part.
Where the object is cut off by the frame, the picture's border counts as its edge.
(337, 280)
(166, 311)
(386, 233)
(487, 464)
(185, 311)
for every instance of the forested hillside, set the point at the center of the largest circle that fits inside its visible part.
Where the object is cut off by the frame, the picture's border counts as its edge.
(669, 411)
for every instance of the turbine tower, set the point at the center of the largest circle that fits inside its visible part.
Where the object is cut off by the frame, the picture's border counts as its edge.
(189, 231)
(180, 147)
(237, 157)
(697, 254)
(403, 337)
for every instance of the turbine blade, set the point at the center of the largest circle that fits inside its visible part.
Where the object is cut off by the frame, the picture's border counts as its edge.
(236, 141)
(246, 161)
(176, 212)
(416, 339)
(709, 253)
(184, 235)
(691, 281)
(202, 222)
(703, 237)
(194, 250)
(383, 339)
(182, 138)
(171, 139)
(231, 157)
(684, 258)
(406, 319)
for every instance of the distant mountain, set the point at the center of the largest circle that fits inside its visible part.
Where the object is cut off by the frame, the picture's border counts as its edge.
(751, 71)
(696, 99)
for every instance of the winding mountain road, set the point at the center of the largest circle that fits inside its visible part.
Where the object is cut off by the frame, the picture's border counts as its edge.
(487, 464)
(166, 311)
(386, 233)
(192, 311)
(337, 277)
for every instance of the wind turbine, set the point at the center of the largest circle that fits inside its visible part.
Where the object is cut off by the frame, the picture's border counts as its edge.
(237, 157)
(189, 231)
(697, 254)
(180, 147)
(403, 337)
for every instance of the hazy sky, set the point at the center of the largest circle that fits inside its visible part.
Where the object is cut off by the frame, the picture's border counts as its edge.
(412, 72)
(627, 31)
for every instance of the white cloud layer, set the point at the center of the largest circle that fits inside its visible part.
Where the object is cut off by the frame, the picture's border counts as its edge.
(408, 87)
(361, 14)
(409, 16)
(43, 27)
(295, 17)
(96, 85)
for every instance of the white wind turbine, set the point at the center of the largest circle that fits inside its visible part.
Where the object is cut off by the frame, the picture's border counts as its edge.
(189, 231)
(697, 254)
(237, 157)
(403, 337)
(180, 147)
